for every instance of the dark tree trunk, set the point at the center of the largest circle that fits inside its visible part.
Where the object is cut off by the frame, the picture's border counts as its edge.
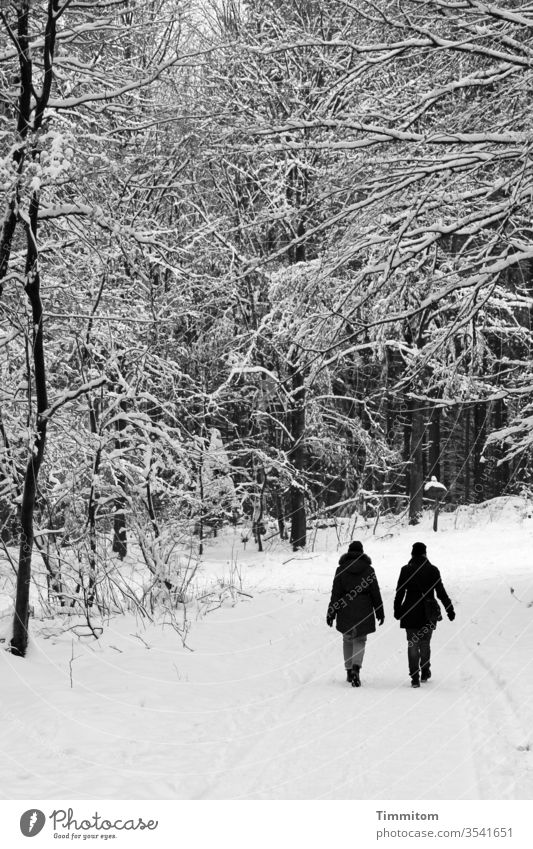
(92, 506)
(436, 515)
(480, 435)
(280, 516)
(201, 520)
(19, 641)
(151, 509)
(406, 453)
(434, 444)
(467, 463)
(120, 540)
(296, 454)
(91, 520)
(389, 412)
(501, 471)
(257, 519)
(297, 188)
(94, 429)
(416, 488)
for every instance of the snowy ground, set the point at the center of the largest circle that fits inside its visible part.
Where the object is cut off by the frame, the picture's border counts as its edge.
(259, 708)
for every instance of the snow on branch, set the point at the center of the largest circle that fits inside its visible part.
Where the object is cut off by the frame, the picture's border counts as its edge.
(244, 369)
(97, 215)
(490, 9)
(72, 394)
(134, 85)
(516, 439)
(379, 133)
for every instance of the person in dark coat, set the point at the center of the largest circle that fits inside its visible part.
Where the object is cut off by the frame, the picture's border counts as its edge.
(355, 603)
(418, 611)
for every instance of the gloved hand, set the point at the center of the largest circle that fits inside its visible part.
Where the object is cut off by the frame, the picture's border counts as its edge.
(330, 620)
(451, 615)
(381, 620)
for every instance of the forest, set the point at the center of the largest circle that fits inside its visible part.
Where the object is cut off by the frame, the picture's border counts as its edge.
(262, 262)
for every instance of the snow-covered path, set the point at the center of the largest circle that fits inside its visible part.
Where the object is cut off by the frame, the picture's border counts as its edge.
(319, 738)
(260, 708)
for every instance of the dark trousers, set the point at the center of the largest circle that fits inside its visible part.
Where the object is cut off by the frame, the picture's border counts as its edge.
(419, 649)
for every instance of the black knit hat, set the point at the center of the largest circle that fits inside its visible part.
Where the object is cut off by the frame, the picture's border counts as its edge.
(355, 547)
(419, 549)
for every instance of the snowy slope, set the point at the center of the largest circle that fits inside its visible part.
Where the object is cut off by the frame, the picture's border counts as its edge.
(259, 708)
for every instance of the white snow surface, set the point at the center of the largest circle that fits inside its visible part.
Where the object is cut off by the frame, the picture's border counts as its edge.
(257, 705)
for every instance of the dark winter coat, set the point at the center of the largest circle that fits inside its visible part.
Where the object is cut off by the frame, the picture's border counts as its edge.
(355, 596)
(418, 581)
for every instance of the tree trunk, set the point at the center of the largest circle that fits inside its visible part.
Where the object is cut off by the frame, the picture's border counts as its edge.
(406, 452)
(92, 505)
(434, 444)
(257, 524)
(416, 477)
(296, 454)
(120, 541)
(467, 463)
(279, 515)
(436, 515)
(501, 471)
(32, 286)
(201, 493)
(480, 435)
(19, 641)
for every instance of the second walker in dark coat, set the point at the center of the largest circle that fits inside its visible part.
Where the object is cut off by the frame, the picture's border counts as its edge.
(416, 585)
(355, 603)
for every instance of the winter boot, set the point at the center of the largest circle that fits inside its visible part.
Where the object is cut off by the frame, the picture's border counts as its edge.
(356, 681)
(415, 680)
(426, 675)
(349, 673)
